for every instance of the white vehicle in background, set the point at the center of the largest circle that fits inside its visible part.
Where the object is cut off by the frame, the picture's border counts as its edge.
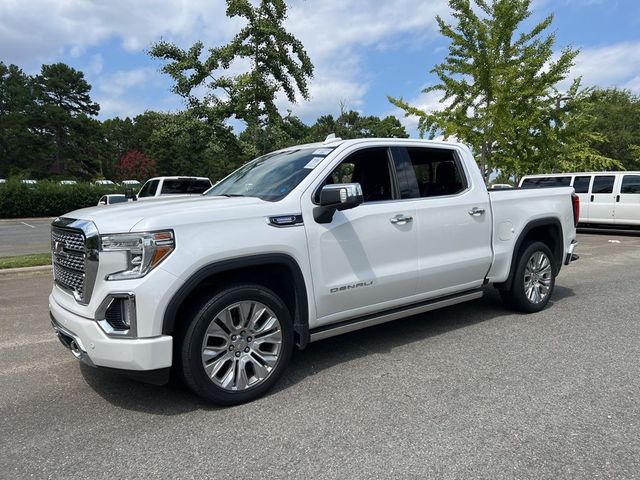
(68, 182)
(173, 186)
(130, 183)
(500, 186)
(3, 180)
(111, 199)
(606, 198)
(297, 246)
(29, 182)
(109, 183)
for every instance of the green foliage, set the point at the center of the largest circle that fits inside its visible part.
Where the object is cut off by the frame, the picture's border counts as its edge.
(616, 119)
(48, 199)
(498, 84)
(351, 124)
(278, 59)
(21, 261)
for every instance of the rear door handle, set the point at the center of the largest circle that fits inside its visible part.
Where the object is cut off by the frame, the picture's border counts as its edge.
(617, 198)
(476, 212)
(400, 219)
(592, 198)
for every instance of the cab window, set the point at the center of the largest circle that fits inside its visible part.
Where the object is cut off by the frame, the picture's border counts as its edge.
(428, 172)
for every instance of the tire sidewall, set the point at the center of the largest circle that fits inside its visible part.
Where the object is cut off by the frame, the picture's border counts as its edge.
(192, 368)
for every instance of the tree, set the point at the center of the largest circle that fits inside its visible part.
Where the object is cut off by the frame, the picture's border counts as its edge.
(350, 124)
(279, 63)
(184, 144)
(62, 95)
(497, 84)
(617, 119)
(18, 143)
(135, 165)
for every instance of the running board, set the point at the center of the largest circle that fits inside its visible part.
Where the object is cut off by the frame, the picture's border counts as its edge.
(389, 315)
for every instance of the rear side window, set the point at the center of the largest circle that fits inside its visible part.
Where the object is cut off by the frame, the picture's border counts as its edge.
(603, 184)
(546, 182)
(121, 199)
(184, 186)
(581, 184)
(149, 189)
(630, 184)
(428, 172)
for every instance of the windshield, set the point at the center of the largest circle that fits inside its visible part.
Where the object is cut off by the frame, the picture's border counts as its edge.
(272, 176)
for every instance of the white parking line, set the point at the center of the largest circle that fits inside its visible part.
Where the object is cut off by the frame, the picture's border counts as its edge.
(30, 226)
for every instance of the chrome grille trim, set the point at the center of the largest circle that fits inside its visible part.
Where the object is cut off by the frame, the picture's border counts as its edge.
(75, 245)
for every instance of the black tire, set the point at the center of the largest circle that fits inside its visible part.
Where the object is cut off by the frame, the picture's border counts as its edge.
(190, 350)
(516, 297)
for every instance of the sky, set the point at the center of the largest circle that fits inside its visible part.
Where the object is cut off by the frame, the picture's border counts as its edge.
(362, 50)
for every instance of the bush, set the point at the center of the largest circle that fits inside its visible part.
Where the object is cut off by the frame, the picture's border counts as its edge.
(48, 199)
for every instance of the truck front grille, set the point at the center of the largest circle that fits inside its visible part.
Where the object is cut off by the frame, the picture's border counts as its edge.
(69, 259)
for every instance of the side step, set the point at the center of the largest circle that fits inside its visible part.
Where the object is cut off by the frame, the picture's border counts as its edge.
(358, 323)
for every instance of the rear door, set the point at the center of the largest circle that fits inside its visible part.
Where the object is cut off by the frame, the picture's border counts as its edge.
(602, 200)
(581, 184)
(627, 207)
(453, 219)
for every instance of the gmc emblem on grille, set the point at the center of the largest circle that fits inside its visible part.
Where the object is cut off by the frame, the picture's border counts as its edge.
(58, 248)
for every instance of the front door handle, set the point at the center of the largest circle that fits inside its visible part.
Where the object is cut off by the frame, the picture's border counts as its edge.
(400, 219)
(476, 212)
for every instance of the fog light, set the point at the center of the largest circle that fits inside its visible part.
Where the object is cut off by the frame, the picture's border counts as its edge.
(117, 315)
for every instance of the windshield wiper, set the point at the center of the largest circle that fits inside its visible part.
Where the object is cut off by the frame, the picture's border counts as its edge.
(230, 195)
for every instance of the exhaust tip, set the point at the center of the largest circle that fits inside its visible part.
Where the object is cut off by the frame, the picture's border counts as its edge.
(75, 349)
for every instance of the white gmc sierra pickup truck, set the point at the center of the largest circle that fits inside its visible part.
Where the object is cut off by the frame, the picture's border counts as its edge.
(297, 246)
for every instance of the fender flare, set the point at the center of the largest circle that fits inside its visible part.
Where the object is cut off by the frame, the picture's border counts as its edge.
(539, 222)
(300, 309)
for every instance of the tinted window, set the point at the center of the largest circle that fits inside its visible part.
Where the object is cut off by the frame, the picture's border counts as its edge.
(581, 184)
(603, 184)
(118, 199)
(149, 189)
(546, 182)
(184, 186)
(369, 168)
(430, 173)
(530, 182)
(630, 184)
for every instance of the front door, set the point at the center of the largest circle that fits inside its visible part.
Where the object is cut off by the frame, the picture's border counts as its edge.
(364, 260)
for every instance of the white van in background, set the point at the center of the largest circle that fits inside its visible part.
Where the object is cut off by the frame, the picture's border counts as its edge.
(606, 198)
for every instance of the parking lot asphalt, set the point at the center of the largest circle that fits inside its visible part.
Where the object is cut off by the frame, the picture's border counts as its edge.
(22, 236)
(471, 391)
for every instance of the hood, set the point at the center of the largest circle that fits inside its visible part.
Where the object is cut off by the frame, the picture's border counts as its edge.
(163, 213)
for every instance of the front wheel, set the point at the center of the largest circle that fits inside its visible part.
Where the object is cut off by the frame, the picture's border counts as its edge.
(237, 344)
(534, 280)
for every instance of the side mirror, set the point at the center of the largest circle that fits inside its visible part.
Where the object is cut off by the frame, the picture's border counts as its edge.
(129, 195)
(341, 196)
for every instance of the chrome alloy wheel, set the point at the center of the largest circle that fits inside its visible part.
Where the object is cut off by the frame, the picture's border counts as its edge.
(241, 346)
(537, 277)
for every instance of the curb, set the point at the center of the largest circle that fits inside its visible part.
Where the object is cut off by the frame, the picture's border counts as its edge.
(9, 271)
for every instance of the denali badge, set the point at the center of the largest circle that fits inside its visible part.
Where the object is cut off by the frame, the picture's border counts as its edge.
(351, 286)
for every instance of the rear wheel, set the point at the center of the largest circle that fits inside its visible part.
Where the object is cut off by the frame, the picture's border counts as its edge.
(237, 344)
(533, 281)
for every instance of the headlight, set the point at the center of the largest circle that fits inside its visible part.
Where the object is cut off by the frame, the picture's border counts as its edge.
(144, 251)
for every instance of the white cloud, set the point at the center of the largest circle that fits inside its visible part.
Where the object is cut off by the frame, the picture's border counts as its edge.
(609, 66)
(334, 32)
